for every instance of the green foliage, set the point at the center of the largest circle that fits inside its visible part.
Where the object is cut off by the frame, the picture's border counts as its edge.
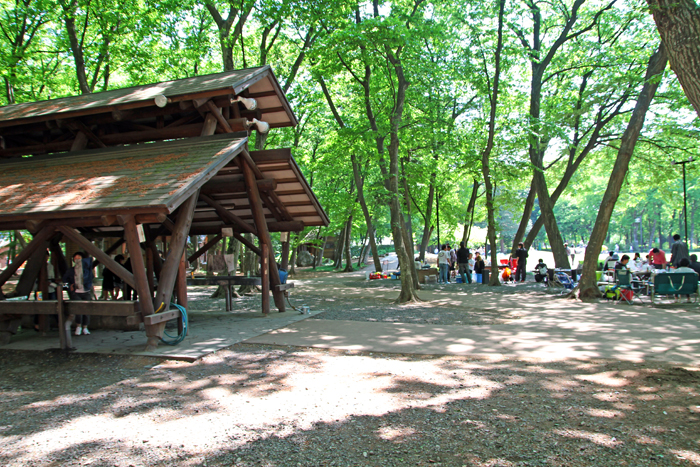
(446, 51)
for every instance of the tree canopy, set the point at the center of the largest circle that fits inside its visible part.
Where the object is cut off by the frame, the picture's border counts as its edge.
(508, 114)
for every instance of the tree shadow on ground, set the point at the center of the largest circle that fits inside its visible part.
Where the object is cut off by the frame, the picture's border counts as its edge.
(280, 406)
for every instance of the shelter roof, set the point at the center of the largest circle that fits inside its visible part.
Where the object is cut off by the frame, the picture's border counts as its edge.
(255, 81)
(155, 177)
(246, 99)
(290, 200)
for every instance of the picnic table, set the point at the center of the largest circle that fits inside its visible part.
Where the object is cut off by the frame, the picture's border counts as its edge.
(423, 273)
(229, 281)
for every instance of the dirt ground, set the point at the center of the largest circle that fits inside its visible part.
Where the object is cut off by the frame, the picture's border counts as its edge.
(260, 405)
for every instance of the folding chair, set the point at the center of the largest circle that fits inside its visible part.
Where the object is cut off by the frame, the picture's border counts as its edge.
(624, 282)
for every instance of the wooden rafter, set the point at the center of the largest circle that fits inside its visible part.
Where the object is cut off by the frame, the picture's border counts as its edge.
(206, 247)
(100, 255)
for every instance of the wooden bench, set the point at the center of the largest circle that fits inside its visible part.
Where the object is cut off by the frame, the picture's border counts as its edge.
(12, 310)
(675, 283)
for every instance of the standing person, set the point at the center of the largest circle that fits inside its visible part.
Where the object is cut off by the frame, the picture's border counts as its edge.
(79, 278)
(479, 269)
(570, 252)
(444, 265)
(679, 250)
(658, 258)
(472, 263)
(107, 284)
(521, 271)
(463, 261)
(453, 261)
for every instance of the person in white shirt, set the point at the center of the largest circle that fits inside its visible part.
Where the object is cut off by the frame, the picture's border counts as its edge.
(472, 263)
(444, 265)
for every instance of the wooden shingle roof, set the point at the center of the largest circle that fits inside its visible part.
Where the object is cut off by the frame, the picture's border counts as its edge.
(294, 200)
(157, 177)
(259, 83)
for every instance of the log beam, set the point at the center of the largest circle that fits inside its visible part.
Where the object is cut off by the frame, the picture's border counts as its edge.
(228, 216)
(32, 270)
(178, 241)
(38, 240)
(294, 226)
(101, 256)
(250, 245)
(233, 184)
(140, 282)
(206, 247)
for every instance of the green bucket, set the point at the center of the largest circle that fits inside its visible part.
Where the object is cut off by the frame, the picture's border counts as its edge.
(598, 275)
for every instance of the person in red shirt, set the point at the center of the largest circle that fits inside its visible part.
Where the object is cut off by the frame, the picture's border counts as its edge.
(657, 258)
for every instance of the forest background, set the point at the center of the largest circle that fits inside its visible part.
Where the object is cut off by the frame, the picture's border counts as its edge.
(405, 106)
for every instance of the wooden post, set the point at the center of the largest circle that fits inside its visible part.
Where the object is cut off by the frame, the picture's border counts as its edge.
(181, 288)
(261, 227)
(177, 247)
(265, 278)
(106, 260)
(209, 127)
(149, 272)
(43, 287)
(284, 236)
(153, 332)
(63, 329)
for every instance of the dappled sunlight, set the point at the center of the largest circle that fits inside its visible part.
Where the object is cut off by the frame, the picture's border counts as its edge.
(242, 406)
(597, 438)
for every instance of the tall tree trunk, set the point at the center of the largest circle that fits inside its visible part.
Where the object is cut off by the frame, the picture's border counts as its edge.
(339, 247)
(228, 38)
(75, 45)
(657, 64)
(360, 182)
(486, 153)
(408, 280)
(248, 265)
(363, 247)
(525, 219)
(293, 262)
(319, 253)
(678, 22)
(428, 226)
(469, 218)
(408, 222)
(348, 241)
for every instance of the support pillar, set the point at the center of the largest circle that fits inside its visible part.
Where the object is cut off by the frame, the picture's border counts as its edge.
(138, 268)
(181, 289)
(263, 234)
(265, 279)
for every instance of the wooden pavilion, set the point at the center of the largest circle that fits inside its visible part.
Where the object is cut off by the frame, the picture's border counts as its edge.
(161, 161)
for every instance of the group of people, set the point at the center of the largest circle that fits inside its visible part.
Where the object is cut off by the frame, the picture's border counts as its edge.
(78, 279)
(655, 261)
(461, 261)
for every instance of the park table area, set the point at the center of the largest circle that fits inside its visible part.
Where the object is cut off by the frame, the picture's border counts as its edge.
(229, 281)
